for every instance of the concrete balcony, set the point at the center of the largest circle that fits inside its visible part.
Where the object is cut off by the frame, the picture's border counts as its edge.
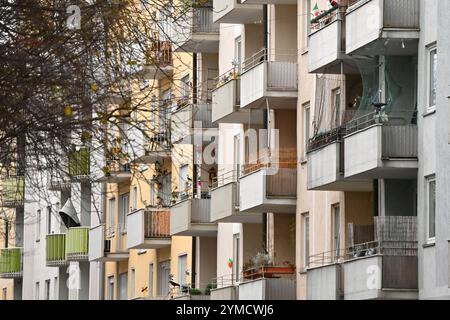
(159, 63)
(157, 148)
(327, 44)
(11, 263)
(116, 171)
(269, 190)
(12, 193)
(100, 247)
(274, 81)
(383, 27)
(225, 201)
(226, 100)
(268, 289)
(193, 121)
(325, 282)
(77, 244)
(58, 184)
(381, 277)
(148, 229)
(196, 31)
(269, 183)
(386, 268)
(191, 217)
(55, 250)
(232, 11)
(225, 293)
(326, 164)
(375, 150)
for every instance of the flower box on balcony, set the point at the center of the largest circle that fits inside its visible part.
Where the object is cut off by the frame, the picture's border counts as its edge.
(267, 272)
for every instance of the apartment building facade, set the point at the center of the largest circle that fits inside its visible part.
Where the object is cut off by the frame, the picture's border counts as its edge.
(293, 149)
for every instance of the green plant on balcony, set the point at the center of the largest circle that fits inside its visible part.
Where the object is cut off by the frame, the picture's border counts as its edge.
(209, 287)
(195, 292)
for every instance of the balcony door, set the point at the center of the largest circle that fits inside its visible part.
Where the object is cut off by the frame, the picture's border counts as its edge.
(164, 278)
(123, 286)
(124, 209)
(182, 270)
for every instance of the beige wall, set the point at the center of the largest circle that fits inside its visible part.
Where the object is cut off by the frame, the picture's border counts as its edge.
(283, 32)
(317, 203)
(206, 261)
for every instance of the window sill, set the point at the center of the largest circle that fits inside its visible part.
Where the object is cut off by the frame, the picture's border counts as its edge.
(429, 245)
(429, 112)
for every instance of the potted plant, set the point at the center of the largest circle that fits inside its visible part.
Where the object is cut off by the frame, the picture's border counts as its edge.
(262, 266)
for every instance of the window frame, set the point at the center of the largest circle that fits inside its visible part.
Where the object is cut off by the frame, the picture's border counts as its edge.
(430, 180)
(306, 228)
(431, 73)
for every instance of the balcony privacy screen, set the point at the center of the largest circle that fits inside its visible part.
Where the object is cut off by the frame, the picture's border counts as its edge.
(10, 261)
(55, 249)
(79, 163)
(13, 189)
(77, 243)
(399, 88)
(364, 90)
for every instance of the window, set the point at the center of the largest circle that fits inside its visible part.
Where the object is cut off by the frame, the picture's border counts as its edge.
(185, 88)
(153, 115)
(132, 283)
(123, 286)
(111, 213)
(431, 209)
(236, 255)
(150, 280)
(4, 293)
(336, 100)
(306, 239)
(183, 182)
(47, 290)
(306, 127)
(152, 193)
(36, 291)
(124, 209)
(110, 295)
(238, 53)
(336, 235)
(306, 25)
(49, 220)
(38, 225)
(182, 270)
(135, 195)
(432, 75)
(55, 288)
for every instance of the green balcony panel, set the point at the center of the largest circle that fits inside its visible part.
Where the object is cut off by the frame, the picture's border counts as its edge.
(79, 163)
(10, 263)
(56, 250)
(77, 244)
(13, 190)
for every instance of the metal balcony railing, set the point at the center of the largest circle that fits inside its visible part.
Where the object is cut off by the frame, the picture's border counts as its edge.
(12, 193)
(10, 263)
(77, 244)
(203, 21)
(56, 250)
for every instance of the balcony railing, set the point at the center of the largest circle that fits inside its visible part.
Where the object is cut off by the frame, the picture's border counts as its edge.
(156, 224)
(399, 135)
(77, 244)
(12, 191)
(391, 236)
(56, 250)
(160, 54)
(79, 163)
(11, 263)
(402, 14)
